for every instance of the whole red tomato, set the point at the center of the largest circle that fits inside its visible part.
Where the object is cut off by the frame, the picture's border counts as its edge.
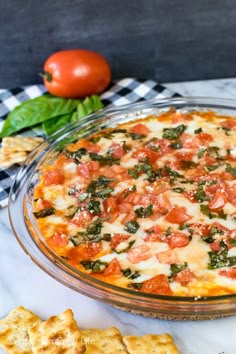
(76, 73)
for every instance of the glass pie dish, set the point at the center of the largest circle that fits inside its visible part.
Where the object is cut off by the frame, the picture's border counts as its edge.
(32, 241)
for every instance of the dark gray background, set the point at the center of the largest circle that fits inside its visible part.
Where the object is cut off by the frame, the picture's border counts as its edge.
(166, 40)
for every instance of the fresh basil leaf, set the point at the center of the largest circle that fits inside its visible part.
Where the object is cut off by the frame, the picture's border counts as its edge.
(176, 145)
(89, 105)
(35, 111)
(50, 126)
(200, 194)
(94, 206)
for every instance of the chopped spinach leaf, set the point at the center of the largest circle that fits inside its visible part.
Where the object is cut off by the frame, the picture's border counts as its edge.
(178, 190)
(200, 195)
(129, 274)
(206, 211)
(232, 241)
(136, 136)
(71, 211)
(198, 131)
(175, 269)
(201, 152)
(95, 266)
(173, 133)
(125, 249)
(177, 145)
(210, 168)
(44, 212)
(94, 206)
(144, 212)
(76, 155)
(132, 226)
(104, 159)
(231, 170)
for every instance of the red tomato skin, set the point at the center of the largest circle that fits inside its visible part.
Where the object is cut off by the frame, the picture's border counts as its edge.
(51, 177)
(178, 216)
(76, 73)
(113, 268)
(157, 285)
(178, 239)
(140, 128)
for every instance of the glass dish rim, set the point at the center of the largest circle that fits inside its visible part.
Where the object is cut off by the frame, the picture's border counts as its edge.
(206, 102)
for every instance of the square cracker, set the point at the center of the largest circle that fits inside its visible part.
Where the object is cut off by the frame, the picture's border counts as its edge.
(100, 341)
(58, 335)
(14, 328)
(151, 344)
(21, 143)
(8, 159)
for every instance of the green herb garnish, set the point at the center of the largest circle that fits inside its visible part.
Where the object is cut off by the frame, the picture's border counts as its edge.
(132, 226)
(173, 133)
(176, 145)
(231, 170)
(198, 131)
(129, 274)
(95, 266)
(144, 212)
(175, 269)
(44, 212)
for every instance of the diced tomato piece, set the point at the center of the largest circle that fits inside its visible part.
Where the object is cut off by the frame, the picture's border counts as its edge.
(54, 176)
(178, 239)
(145, 153)
(162, 202)
(215, 246)
(190, 195)
(181, 117)
(82, 218)
(117, 239)
(85, 251)
(155, 234)
(167, 257)
(128, 217)
(139, 253)
(58, 240)
(184, 276)
(232, 234)
(117, 151)
(231, 194)
(219, 201)
(204, 137)
(133, 198)
(229, 124)
(86, 169)
(189, 141)
(125, 207)
(41, 204)
(178, 215)
(110, 204)
(200, 229)
(140, 128)
(157, 285)
(93, 248)
(230, 273)
(113, 268)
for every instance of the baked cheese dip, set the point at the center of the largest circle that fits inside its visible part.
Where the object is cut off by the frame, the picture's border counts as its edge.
(149, 205)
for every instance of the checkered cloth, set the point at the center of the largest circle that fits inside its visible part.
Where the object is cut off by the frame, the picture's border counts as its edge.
(125, 91)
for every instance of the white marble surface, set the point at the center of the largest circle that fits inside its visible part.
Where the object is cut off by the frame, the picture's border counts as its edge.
(23, 283)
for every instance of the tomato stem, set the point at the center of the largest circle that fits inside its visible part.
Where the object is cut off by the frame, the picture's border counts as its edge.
(46, 75)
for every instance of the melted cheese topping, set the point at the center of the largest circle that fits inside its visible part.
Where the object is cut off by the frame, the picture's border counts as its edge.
(149, 205)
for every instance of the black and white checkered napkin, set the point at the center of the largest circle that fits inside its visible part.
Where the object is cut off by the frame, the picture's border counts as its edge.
(125, 91)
